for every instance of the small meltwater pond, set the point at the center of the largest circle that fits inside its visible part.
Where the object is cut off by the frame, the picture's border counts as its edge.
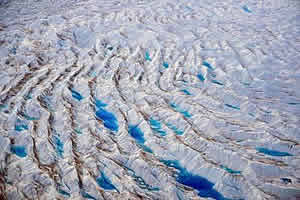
(149, 99)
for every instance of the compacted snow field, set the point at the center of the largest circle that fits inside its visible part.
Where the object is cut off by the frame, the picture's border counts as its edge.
(150, 99)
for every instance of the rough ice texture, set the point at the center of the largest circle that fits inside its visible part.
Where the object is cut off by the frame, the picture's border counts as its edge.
(156, 99)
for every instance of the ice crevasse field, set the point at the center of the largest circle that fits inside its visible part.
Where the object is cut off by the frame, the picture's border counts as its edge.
(150, 99)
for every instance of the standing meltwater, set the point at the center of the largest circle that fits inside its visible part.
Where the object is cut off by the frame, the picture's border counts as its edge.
(149, 99)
